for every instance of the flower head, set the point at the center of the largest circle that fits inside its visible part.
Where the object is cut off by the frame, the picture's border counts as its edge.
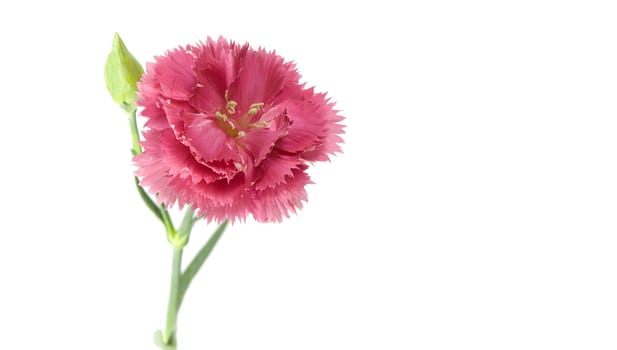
(230, 131)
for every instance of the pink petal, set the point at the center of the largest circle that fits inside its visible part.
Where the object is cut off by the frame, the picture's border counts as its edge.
(223, 191)
(275, 169)
(209, 142)
(175, 73)
(272, 204)
(259, 141)
(208, 100)
(165, 151)
(261, 78)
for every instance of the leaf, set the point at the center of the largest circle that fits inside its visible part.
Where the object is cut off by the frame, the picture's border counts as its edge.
(193, 268)
(149, 202)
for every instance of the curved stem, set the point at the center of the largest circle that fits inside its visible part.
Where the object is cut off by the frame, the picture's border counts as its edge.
(159, 211)
(169, 336)
(134, 133)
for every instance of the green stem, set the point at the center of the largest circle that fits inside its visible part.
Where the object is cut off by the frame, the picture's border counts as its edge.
(134, 133)
(159, 212)
(169, 337)
(166, 340)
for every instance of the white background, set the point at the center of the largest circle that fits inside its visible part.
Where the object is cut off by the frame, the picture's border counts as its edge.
(474, 206)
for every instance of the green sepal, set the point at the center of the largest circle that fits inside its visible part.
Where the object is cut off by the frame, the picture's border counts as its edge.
(183, 232)
(122, 72)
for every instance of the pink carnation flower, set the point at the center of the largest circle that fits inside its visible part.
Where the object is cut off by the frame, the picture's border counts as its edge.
(230, 131)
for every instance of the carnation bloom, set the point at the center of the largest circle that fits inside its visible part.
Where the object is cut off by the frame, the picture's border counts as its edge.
(230, 131)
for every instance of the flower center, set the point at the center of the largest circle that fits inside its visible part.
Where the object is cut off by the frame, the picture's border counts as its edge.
(233, 126)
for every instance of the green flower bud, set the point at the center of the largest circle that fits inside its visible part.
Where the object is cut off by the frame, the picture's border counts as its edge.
(122, 72)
